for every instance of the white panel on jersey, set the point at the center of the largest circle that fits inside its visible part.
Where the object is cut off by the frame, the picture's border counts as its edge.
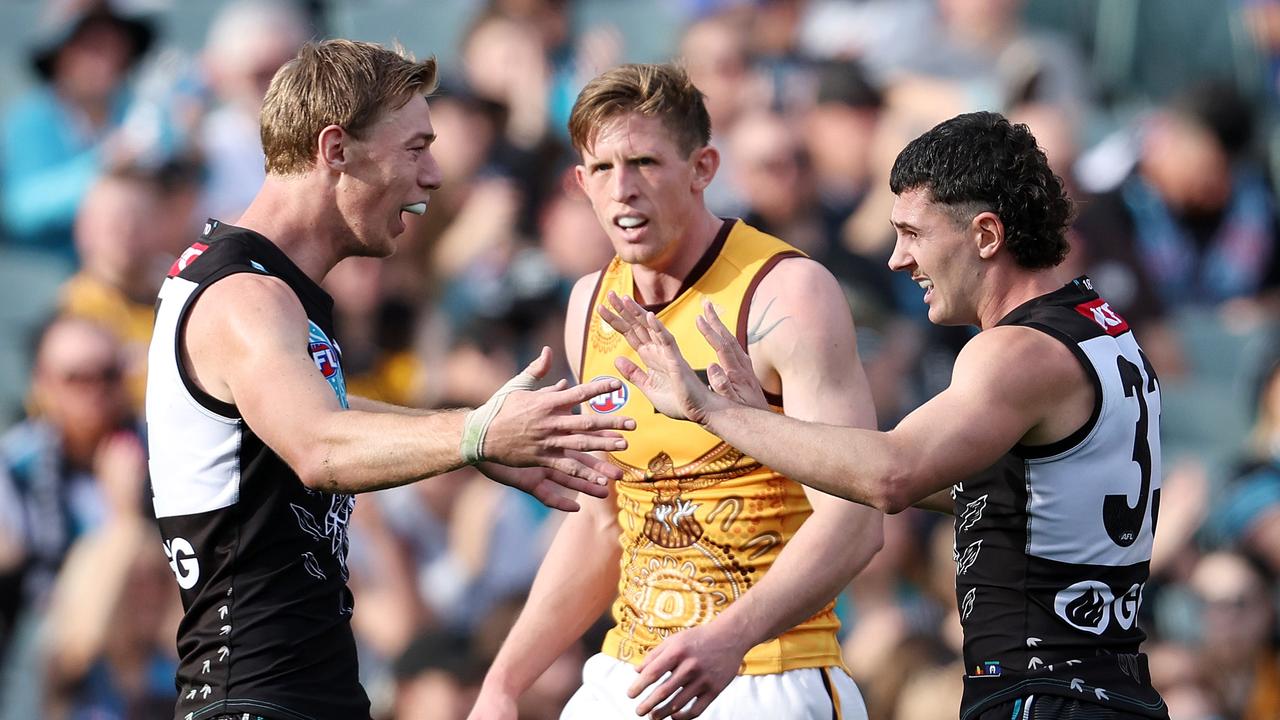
(1067, 492)
(194, 452)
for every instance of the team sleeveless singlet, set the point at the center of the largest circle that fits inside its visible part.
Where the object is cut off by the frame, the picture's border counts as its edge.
(1053, 543)
(260, 559)
(701, 522)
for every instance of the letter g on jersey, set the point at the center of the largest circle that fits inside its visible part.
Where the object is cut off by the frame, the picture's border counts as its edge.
(183, 561)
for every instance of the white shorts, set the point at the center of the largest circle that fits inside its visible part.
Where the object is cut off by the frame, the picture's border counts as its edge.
(792, 695)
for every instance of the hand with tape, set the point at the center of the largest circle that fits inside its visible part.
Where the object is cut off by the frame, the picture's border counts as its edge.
(536, 429)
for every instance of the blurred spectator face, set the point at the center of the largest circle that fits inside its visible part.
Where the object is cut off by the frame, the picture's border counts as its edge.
(179, 219)
(644, 190)
(980, 19)
(94, 61)
(498, 55)
(247, 43)
(434, 695)
(549, 17)
(437, 676)
(839, 144)
(715, 56)
(1186, 165)
(118, 231)
(766, 158)
(466, 136)
(472, 373)
(1236, 618)
(77, 381)
(572, 237)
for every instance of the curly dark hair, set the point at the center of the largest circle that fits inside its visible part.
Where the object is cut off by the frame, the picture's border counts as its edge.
(980, 161)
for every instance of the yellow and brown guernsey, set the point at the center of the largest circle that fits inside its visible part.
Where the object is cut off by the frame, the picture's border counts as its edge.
(701, 522)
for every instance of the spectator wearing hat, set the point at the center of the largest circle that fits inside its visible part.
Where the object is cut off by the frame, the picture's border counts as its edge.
(56, 138)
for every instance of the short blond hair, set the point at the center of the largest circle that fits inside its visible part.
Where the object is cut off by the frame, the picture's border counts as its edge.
(662, 90)
(335, 82)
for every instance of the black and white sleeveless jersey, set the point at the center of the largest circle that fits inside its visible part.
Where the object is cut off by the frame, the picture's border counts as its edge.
(1053, 543)
(260, 559)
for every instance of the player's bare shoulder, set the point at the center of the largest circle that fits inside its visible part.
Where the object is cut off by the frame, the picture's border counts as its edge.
(576, 316)
(236, 316)
(798, 292)
(1034, 371)
(798, 303)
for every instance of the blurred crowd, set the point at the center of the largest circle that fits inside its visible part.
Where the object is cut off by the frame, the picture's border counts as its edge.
(123, 142)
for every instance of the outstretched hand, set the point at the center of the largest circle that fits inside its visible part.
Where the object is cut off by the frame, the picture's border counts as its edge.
(670, 384)
(733, 377)
(545, 483)
(537, 428)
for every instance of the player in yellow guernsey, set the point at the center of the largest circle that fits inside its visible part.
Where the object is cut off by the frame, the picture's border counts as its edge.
(721, 572)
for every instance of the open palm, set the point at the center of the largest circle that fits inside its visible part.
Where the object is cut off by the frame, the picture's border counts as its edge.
(669, 383)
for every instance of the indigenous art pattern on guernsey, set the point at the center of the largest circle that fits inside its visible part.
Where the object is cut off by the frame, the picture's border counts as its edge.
(665, 589)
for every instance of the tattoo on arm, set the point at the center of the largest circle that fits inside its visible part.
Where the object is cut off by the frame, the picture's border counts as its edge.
(760, 330)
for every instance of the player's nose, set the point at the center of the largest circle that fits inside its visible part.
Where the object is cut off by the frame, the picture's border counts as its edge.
(429, 173)
(622, 186)
(900, 259)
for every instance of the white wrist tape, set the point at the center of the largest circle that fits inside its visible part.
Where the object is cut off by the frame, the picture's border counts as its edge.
(477, 423)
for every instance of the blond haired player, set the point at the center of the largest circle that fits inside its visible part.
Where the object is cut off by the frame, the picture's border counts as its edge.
(257, 450)
(721, 573)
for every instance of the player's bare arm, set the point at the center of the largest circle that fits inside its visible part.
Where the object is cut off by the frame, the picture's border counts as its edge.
(248, 327)
(1009, 385)
(801, 341)
(576, 582)
(729, 380)
(543, 483)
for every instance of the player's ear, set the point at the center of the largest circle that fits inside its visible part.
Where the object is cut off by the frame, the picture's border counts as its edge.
(331, 145)
(988, 233)
(706, 161)
(580, 175)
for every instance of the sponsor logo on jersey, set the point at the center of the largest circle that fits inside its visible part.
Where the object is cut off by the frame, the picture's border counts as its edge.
(187, 257)
(1100, 312)
(609, 402)
(1090, 605)
(1126, 606)
(183, 562)
(1086, 606)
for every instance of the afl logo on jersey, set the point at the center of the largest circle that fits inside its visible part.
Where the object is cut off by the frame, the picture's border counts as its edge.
(325, 358)
(611, 401)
